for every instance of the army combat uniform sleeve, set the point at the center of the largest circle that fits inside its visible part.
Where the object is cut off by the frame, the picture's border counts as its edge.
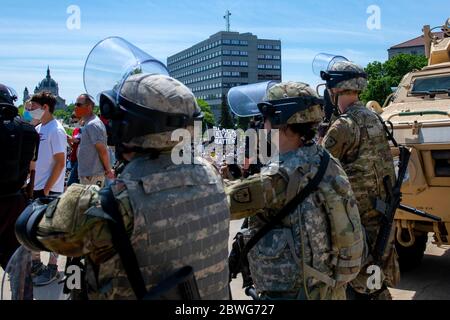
(75, 225)
(258, 193)
(341, 138)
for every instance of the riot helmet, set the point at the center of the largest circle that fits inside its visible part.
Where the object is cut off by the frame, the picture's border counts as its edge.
(291, 103)
(142, 103)
(8, 96)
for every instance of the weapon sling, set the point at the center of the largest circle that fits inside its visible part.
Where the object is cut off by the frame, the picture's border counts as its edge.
(122, 243)
(298, 199)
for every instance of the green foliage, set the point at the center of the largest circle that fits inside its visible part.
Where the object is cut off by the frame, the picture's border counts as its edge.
(242, 123)
(383, 76)
(66, 114)
(226, 120)
(208, 119)
(69, 131)
(21, 109)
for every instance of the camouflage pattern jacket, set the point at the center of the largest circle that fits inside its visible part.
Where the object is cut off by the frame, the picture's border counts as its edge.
(357, 138)
(176, 215)
(318, 248)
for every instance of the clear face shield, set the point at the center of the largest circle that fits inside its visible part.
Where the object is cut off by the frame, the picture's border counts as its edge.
(243, 100)
(112, 61)
(322, 64)
(24, 279)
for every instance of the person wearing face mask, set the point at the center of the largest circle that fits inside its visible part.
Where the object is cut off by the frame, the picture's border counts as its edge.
(93, 156)
(51, 164)
(50, 168)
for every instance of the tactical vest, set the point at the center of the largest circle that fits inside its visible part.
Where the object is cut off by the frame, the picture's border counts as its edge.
(319, 247)
(19, 142)
(181, 217)
(369, 159)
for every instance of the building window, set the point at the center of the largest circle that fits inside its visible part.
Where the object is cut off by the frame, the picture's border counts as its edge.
(244, 53)
(277, 67)
(269, 57)
(235, 63)
(260, 46)
(243, 43)
(276, 47)
(268, 47)
(226, 52)
(261, 66)
(261, 56)
(235, 42)
(235, 52)
(226, 41)
(244, 63)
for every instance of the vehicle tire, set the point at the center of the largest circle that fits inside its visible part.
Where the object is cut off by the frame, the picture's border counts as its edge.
(411, 257)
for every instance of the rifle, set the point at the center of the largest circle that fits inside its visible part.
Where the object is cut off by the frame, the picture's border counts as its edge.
(392, 203)
(237, 264)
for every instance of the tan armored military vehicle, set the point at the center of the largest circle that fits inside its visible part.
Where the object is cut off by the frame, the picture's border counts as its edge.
(419, 111)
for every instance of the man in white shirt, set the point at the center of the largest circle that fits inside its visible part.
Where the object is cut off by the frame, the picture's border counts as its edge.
(50, 169)
(51, 163)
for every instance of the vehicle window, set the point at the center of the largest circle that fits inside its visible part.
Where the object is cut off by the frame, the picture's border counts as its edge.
(431, 83)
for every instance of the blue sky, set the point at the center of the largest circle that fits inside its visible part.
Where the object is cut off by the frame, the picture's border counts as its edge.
(33, 34)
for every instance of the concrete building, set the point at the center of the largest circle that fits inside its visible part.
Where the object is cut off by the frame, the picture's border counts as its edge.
(414, 46)
(227, 59)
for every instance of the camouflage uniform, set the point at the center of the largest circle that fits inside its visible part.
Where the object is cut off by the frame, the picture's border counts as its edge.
(357, 138)
(176, 215)
(300, 258)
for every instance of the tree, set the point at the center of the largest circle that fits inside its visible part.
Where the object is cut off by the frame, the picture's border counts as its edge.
(208, 119)
(242, 123)
(226, 121)
(383, 76)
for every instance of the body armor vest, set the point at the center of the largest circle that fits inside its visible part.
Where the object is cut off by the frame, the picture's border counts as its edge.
(369, 159)
(317, 246)
(181, 217)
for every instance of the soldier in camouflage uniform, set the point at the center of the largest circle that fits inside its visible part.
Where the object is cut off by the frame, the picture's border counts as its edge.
(358, 139)
(175, 215)
(318, 248)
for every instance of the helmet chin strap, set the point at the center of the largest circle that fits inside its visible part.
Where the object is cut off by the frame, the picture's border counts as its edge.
(334, 100)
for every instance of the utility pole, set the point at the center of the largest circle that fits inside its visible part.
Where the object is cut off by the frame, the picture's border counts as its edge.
(227, 19)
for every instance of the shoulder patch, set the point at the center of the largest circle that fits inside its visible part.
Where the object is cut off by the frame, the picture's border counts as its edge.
(242, 196)
(330, 142)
